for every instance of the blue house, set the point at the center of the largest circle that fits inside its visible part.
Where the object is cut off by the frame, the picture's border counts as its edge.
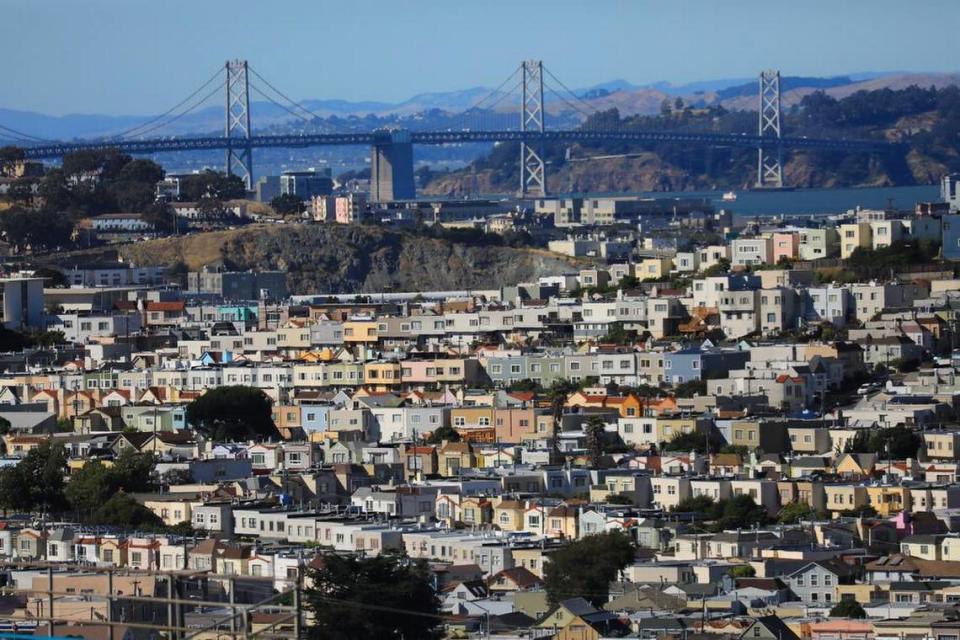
(701, 362)
(950, 230)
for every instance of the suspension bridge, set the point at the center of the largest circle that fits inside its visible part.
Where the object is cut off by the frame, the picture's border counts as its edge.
(527, 89)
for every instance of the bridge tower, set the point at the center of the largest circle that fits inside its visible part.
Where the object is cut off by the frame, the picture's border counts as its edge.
(237, 118)
(769, 159)
(533, 176)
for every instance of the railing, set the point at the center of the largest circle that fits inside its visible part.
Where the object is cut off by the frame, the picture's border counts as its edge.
(184, 611)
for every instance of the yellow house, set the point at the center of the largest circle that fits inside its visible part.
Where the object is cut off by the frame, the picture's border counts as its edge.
(888, 500)
(113, 551)
(855, 236)
(471, 417)
(173, 509)
(844, 497)
(454, 456)
(355, 331)
(562, 522)
(18, 445)
(558, 618)
(508, 515)
(745, 433)
(655, 268)
(855, 464)
(670, 428)
(863, 593)
(532, 559)
(382, 375)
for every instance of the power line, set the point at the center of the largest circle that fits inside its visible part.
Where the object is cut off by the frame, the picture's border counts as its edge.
(163, 115)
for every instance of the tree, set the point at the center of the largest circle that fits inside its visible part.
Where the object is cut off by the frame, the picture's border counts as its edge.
(212, 184)
(690, 441)
(743, 571)
(524, 385)
(132, 471)
(93, 484)
(719, 269)
(9, 157)
(52, 277)
(741, 511)
(288, 203)
(385, 596)
(619, 498)
(691, 388)
(703, 505)
(233, 412)
(161, 215)
(122, 510)
(895, 443)
(594, 430)
(36, 482)
(89, 488)
(177, 272)
(210, 208)
(616, 334)
(585, 568)
(848, 609)
(36, 229)
(446, 432)
(49, 338)
(794, 512)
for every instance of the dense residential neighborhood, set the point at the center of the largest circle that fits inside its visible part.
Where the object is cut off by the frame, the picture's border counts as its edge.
(771, 447)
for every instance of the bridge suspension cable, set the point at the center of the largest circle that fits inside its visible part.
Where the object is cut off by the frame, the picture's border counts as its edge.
(481, 114)
(276, 103)
(587, 110)
(284, 96)
(146, 127)
(19, 136)
(216, 90)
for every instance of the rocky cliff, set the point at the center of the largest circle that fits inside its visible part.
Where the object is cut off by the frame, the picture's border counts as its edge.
(347, 259)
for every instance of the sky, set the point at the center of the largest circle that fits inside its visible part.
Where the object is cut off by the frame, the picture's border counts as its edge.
(143, 56)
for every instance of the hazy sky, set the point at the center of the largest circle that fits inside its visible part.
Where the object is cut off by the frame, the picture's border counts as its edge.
(142, 56)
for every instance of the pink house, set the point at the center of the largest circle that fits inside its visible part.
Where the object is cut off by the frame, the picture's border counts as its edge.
(418, 372)
(785, 245)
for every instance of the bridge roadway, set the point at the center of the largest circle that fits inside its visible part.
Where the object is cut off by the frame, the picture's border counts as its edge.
(158, 145)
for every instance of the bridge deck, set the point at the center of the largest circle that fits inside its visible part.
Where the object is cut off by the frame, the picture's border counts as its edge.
(157, 145)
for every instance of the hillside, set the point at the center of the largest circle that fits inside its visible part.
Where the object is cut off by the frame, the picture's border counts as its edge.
(925, 121)
(347, 259)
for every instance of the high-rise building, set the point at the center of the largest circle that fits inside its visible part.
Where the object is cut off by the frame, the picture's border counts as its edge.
(306, 184)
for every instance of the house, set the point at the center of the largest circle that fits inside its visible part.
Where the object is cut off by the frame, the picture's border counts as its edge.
(815, 583)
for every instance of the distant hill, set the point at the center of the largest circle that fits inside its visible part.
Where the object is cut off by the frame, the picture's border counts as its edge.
(733, 93)
(924, 119)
